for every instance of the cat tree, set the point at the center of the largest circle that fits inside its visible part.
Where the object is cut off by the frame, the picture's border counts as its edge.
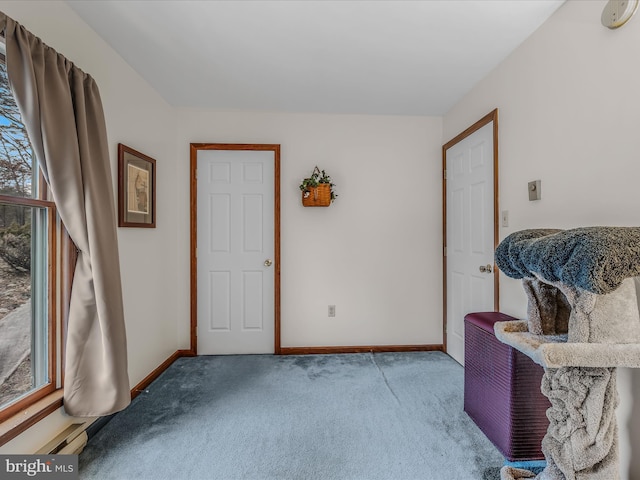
(583, 290)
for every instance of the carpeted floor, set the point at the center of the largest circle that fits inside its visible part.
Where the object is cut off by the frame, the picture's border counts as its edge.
(385, 416)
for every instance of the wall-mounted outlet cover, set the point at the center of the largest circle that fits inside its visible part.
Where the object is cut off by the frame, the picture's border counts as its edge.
(534, 190)
(332, 310)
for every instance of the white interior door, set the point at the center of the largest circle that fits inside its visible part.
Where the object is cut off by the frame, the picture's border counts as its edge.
(235, 252)
(470, 233)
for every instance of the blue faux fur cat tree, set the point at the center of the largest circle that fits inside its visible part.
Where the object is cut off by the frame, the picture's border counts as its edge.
(583, 290)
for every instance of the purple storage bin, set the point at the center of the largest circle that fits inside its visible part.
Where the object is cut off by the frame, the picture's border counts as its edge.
(502, 390)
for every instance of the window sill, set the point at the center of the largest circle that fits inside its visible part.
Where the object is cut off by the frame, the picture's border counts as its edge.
(18, 423)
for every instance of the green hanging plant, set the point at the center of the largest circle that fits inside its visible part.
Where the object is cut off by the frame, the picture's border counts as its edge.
(317, 177)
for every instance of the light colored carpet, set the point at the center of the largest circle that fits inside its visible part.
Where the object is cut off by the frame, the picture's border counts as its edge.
(387, 416)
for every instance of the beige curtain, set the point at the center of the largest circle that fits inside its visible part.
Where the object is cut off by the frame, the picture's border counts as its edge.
(62, 111)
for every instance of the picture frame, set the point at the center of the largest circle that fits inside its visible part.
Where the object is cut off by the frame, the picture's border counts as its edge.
(136, 188)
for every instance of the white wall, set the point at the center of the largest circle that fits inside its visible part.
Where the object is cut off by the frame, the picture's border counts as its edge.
(569, 111)
(138, 117)
(375, 253)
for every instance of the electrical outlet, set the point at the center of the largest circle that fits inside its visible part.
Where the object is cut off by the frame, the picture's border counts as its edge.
(332, 310)
(505, 218)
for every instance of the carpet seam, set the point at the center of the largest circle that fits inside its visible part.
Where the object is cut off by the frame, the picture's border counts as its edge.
(384, 377)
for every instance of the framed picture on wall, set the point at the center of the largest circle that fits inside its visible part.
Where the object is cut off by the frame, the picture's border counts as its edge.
(136, 188)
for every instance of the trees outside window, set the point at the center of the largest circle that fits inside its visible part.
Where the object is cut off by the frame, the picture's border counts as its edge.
(28, 258)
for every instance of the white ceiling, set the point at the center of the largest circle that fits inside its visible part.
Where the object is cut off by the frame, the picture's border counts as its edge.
(368, 57)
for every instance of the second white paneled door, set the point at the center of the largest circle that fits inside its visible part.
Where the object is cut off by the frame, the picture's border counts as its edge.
(235, 252)
(470, 232)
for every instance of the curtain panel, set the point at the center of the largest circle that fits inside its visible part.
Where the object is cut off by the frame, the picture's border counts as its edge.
(63, 115)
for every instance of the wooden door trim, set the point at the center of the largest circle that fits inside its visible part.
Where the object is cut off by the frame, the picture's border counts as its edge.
(488, 118)
(194, 148)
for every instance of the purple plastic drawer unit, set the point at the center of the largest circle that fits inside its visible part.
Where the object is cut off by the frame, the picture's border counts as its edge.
(502, 390)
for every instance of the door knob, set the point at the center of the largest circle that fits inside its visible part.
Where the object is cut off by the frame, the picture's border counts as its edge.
(268, 262)
(487, 269)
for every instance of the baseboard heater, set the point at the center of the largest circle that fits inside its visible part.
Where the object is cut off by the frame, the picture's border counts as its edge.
(71, 441)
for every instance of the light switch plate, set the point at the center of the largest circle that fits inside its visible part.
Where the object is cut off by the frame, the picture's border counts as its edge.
(505, 218)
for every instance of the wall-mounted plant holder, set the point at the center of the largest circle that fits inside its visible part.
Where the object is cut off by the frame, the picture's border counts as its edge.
(319, 196)
(317, 190)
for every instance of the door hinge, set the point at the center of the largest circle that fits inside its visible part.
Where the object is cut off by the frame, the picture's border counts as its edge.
(196, 252)
(195, 173)
(444, 251)
(445, 174)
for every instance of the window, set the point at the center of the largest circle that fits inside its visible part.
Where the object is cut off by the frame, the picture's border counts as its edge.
(58, 97)
(29, 257)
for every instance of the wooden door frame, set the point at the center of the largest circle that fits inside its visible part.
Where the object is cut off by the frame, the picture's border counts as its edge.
(490, 117)
(194, 149)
